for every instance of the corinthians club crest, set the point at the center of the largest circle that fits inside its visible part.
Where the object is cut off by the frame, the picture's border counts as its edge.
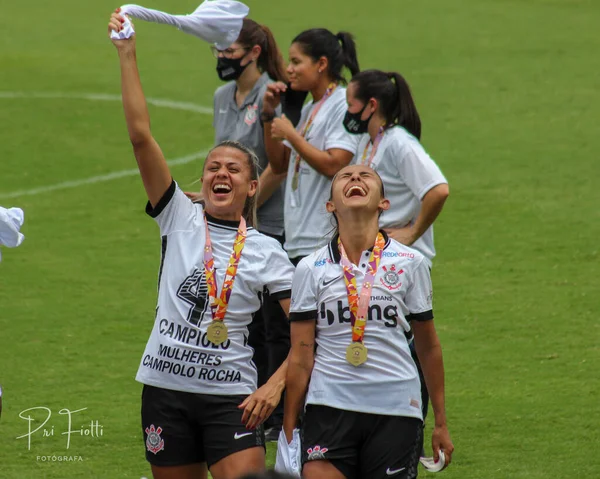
(154, 443)
(391, 277)
(251, 115)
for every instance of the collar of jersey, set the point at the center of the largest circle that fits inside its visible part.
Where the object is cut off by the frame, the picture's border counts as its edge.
(227, 224)
(251, 98)
(334, 251)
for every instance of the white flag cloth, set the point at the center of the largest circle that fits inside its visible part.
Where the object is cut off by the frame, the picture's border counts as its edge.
(288, 457)
(11, 221)
(215, 21)
(431, 465)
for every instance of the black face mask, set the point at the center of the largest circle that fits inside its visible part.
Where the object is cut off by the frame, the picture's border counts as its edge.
(230, 68)
(354, 124)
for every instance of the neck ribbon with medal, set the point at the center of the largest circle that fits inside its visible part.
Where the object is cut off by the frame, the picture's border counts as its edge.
(356, 353)
(217, 330)
(376, 142)
(330, 89)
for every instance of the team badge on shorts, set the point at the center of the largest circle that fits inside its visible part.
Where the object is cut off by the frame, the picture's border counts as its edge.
(316, 452)
(154, 443)
(391, 278)
(251, 115)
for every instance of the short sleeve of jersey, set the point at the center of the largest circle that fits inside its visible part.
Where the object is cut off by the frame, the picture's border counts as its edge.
(417, 168)
(304, 293)
(420, 295)
(336, 134)
(174, 211)
(279, 272)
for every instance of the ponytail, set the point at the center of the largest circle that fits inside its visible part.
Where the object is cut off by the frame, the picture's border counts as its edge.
(349, 52)
(340, 51)
(270, 59)
(396, 103)
(404, 111)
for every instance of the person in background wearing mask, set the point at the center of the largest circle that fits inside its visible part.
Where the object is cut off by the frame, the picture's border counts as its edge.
(381, 105)
(314, 152)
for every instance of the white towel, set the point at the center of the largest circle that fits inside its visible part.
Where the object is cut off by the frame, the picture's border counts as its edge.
(218, 21)
(288, 459)
(11, 221)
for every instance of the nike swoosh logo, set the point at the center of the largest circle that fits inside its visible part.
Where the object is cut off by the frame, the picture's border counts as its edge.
(391, 472)
(239, 436)
(327, 283)
(222, 111)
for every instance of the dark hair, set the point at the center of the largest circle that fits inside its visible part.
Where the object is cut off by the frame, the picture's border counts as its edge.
(392, 92)
(249, 212)
(340, 50)
(270, 59)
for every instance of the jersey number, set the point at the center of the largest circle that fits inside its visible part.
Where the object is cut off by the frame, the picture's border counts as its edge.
(193, 291)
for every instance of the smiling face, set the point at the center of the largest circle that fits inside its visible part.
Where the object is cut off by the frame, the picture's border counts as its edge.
(357, 188)
(302, 70)
(227, 183)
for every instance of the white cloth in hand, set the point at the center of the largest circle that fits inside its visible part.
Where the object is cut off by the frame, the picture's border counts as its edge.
(217, 21)
(11, 221)
(288, 458)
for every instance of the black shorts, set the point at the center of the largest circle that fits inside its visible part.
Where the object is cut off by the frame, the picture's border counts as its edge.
(185, 428)
(361, 444)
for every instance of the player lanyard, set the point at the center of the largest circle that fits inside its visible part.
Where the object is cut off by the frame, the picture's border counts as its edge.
(376, 142)
(359, 304)
(218, 305)
(330, 89)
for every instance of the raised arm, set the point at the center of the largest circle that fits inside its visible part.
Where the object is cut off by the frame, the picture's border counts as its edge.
(150, 159)
(277, 153)
(327, 162)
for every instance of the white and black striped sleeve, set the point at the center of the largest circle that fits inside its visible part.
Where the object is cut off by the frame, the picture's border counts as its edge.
(419, 296)
(174, 211)
(304, 296)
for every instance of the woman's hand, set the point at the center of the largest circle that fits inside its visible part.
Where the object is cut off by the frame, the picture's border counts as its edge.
(272, 98)
(282, 128)
(440, 439)
(260, 404)
(404, 235)
(115, 24)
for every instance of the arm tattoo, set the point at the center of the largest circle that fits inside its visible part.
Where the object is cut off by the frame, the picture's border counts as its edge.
(306, 345)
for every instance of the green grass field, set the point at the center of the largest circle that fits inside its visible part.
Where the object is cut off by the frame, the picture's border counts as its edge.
(509, 95)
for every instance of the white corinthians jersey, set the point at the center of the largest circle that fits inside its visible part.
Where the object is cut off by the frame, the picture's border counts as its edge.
(308, 225)
(408, 173)
(388, 383)
(178, 355)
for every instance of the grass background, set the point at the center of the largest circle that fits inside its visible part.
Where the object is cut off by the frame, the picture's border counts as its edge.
(509, 96)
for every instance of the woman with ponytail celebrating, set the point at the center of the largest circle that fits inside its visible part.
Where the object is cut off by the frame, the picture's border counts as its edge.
(381, 105)
(312, 154)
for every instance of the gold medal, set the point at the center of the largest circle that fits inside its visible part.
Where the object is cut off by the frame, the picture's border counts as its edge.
(356, 353)
(217, 332)
(295, 181)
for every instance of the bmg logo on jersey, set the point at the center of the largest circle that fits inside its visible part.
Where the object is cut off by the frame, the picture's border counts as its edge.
(341, 313)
